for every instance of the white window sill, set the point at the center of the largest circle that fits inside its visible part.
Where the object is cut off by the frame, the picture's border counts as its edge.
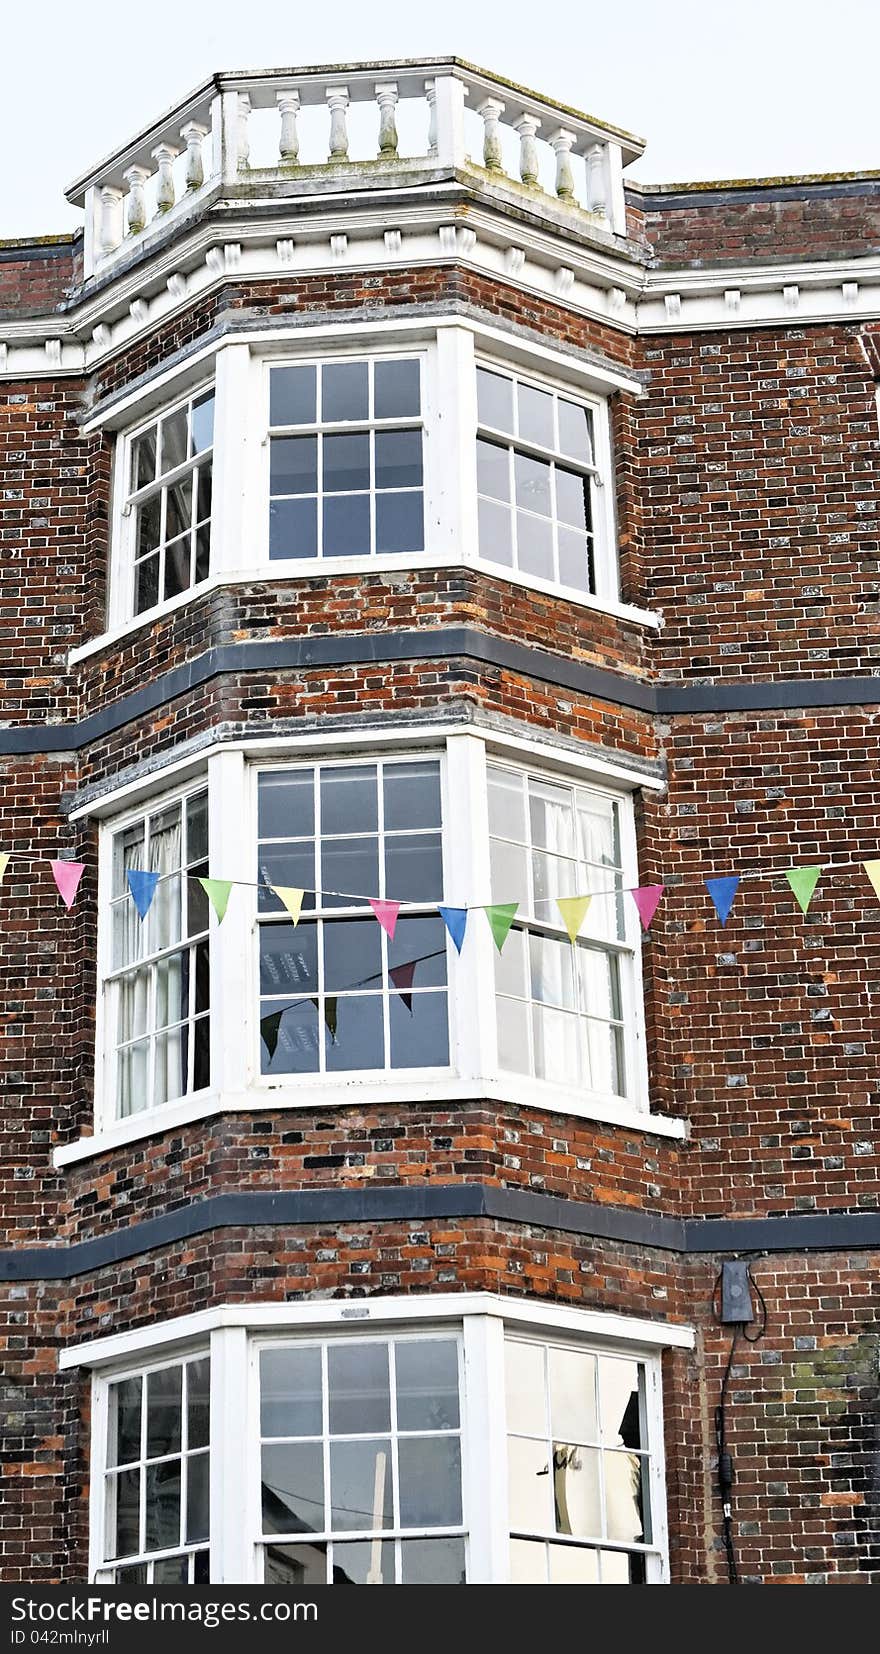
(365, 1092)
(315, 568)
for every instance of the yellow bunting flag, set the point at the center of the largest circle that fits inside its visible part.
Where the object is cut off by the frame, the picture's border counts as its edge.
(4, 862)
(573, 910)
(290, 897)
(872, 868)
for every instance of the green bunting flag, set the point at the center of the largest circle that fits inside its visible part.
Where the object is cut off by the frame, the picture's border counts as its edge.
(501, 916)
(872, 868)
(573, 910)
(217, 892)
(803, 881)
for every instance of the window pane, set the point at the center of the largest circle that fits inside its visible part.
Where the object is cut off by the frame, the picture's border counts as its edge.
(427, 1384)
(575, 431)
(363, 1562)
(576, 1490)
(352, 954)
(506, 804)
(412, 796)
(495, 528)
(293, 1488)
(178, 559)
(147, 585)
(398, 458)
(619, 1403)
(349, 871)
(573, 1565)
(346, 460)
(289, 1037)
(604, 1056)
(623, 1497)
(293, 528)
(360, 1400)
(535, 410)
(178, 507)
(131, 1084)
(494, 400)
(171, 979)
(204, 485)
(414, 867)
(286, 805)
(164, 1397)
(197, 903)
(510, 881)
(532, 479)
(293, 465)
(573, 1395)
(288, 959)
(135, 1575)
(433, 1561)
(203, 552)
(292, 395)
(290, 1392)
(124, 1422)
(493, 469)
(197, 1497)
(528, 1563)
(530, 1485)
(349, 800)
(295, 1565)
(419, 1033)
(123, 1513)
(552, 972)
(163, 1505)
(525, 1388)
(344, 391)
(575, 560)
(202, 430)
(346, 526)
(510, 965)
(198, 1395)
(396, 389)
(400, 522)
(201, 1054)
(534, 546)
(420, 942)
(357, 1041)
(551, 817)
(171, 1570)
(174, 441)
(197, 827)
(556, 1046)
(169, 1066)
(619, 1568)
(143, 459)
(148, 531)
(573, 499)
(430, 1481)
(513, 1037)
(360, 1485)
(292, 865)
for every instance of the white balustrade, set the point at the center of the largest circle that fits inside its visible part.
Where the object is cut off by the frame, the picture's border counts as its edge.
(386, 98)
(288, 141)
(164, 157)
(137, 179)
(491, 111)
(337, 103)
(194, 172)
(528, 127)
(563, 141)
(596, 180)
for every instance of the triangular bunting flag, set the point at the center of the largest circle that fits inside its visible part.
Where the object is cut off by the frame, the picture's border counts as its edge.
(872, 868)
(647, 898)
(67, 875)
(455, 920)
(722, 892)
(4, 862)
(803, 881)
(386, 913)
(290, 897)
(573, 909)
(269, 1029)
(217, 892)
(402, 976)
(331, 1016)
(501, 916)
(143, 888)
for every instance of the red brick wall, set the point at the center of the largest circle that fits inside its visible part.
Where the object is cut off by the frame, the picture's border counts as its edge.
(770, 223)
(35, 276)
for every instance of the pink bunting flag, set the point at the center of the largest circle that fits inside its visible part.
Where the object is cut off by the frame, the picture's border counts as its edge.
(67, 875)
(386, 913)
(647, 898)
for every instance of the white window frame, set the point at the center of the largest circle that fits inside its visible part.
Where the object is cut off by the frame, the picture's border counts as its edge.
(235, 1334)
(123, 521)
(106, 1117)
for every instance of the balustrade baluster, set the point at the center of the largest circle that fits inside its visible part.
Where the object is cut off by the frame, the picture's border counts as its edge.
(136, 205)
(194, 173)
(491, 111)
(111, 218)
(528, 126)
(337, 103)
(164, 156)
(386, 97)
(288, 142)
(562, 141)
(596, 180)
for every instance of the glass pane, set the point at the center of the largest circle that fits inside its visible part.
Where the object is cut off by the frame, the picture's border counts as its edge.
(292, 395)
(197, 1496)
(289, 1037)
(295, 1565)
(196, 902)
(396, 389)
(203, 553)
(495, 529)
(135, 1575)
(355, 1038)
(513, 1037)
(510, 965)
(204, 491)
(124, 1422)
(197, 827)
(530, 1485)
(398, 458)
(360, 1485)
(287, 864)
(575, 560)
(573, 499)
(148, 524)
(293, 528)
(352, 954)
(290, 1392)
(123, 1513)
(433, 1561)
(528, 1562)
(535, 415)
(575, 431)
(573, 1395)
(293, 465)
(619, 1403)
(427, 1384)
(556, 1046)
(414, 868)
(146, 585)
(494, 400)
(534, 546)
(619, 1568)
(286, 805)
(169, 1067)
(346, 526)
(412, 796)
(293, 1488)
(506, 804)
(422, 943)
(163, 1505)
(573, 1565)
(509, 866)
(288, 959)
(346, 460)
(576, 1490)
(419, 1032)
(551, 816)
(363, 1562)
(349, 871)
(131, 1083)
(599, 983)
(552, 972)
(493, 469)
(624, 1519)
(178, 559)
(349, 799)
(202, 423)
(178, 507)
(175, 442)
(400, 522)
(171, 1570)
(430, 1481)
(532, 479)
(143, 459)
(344, 391)
(202, 1568)
(198, 1398)
(360, 1400)
(171, 989)
(604, 1059)
(128, 851)
(525, 1388)
(201, 1054)
(164, 1398)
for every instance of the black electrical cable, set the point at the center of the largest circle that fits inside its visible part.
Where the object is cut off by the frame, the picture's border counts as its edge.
(725, 1458)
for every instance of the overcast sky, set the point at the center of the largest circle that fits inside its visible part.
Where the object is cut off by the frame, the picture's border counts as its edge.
(744, 89)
